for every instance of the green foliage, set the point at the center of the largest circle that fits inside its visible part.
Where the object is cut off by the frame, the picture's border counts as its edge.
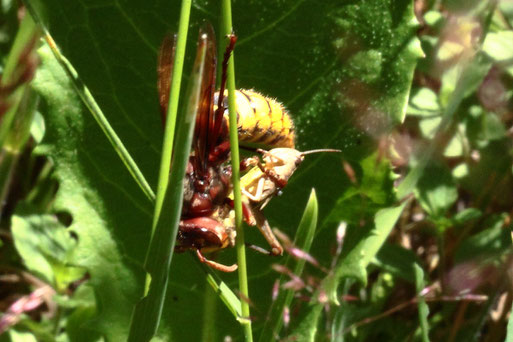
(303, 240)
(423, 308)
(436, 191)
(75, 188)
(46, 248)
(140, 133)
(397, 261)
(147, 312)
(408, 227)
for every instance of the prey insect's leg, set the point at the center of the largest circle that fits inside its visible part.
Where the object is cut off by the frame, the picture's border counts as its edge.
(277, 180)
(247, 212)
(246, 163)
(260, 189)
(269, 172)
(257, 197)
(265, 229)
(215, 265)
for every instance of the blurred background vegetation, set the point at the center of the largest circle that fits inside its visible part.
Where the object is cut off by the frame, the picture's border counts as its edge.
(413, 238)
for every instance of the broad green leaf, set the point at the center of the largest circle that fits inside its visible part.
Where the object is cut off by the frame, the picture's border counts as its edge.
(424, 102)
(86, 194)
(78, 323)
(493, 241)
(495, 161)
(467, 215)
(460, 171)
(345, 77)
(37, 130)
(497, 46)
(468, 76)
(374, 190)
(456, 146)
(483, 126)
(433, 18)
(398, 261)
(307, 330)
(47, 249)
(429, 126)
(492, 127)
(21, 336)
(506, 8)
(436, 190)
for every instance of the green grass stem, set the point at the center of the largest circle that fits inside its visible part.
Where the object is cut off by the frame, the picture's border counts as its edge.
(174, 94)
(422, 306)
(227, 29)
(147, 313)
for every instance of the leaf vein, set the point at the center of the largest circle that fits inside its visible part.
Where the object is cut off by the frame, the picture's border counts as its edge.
(271, 25)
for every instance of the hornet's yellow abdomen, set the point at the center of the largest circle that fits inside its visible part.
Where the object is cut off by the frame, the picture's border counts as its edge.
(262, 120)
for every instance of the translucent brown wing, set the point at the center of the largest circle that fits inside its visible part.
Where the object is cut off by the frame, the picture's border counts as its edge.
(219, 113)
(164, 72)
(205, 114)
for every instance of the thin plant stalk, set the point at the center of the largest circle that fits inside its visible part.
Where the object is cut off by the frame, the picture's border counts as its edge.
(172, 108)
(235, 160)
(148, 311)
(208, 331)
(224, 293)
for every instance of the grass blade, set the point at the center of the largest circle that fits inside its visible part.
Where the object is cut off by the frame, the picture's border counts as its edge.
(422, 306)
(147, 312)
(224, 293)
(172, 109)
(304, 237)
(227, 29)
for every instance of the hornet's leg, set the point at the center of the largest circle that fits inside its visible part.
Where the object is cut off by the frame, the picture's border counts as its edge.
(215, 265)
(246, 211)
